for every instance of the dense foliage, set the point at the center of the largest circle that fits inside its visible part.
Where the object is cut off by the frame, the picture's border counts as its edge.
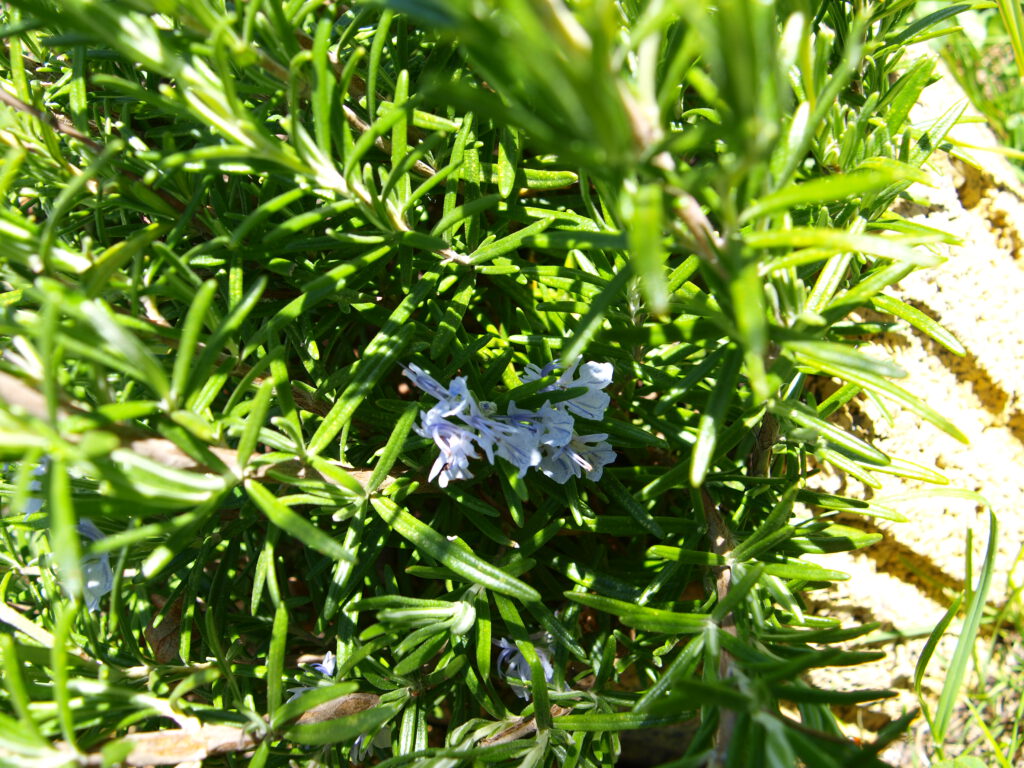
(227, 230)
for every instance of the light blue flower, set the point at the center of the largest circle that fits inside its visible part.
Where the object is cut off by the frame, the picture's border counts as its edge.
(425, 381)
(534, 372)
(454, 442)
(451, 399)
(512, 664)
(34, 503)
(558, 464)
(363, 747)
(96, 570)
(327, 666)
(543, 438)
(502, 436)
(551, 424)
(520, 449)
(592, 376)
(584, 454)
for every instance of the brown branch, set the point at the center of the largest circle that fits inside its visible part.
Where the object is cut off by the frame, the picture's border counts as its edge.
(358, 88)
(161, 327)
(380, 142)
(181, 745)
(521, 728)
(63, 125)
(702, 240)
(761, 456)
(26, 399)
(196, 742)
(722, 544)
(55, 121)
(349, 704)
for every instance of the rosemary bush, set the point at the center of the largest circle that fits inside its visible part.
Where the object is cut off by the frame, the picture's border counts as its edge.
(461, 349)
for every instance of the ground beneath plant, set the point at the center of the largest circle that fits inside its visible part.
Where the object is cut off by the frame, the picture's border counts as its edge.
(907, 581)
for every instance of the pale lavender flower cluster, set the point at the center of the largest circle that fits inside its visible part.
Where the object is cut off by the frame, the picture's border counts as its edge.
(325, 668)
(512, 664)
(96, 570)
(546, 438)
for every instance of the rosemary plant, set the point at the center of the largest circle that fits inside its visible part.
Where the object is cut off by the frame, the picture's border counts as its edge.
(444, 365)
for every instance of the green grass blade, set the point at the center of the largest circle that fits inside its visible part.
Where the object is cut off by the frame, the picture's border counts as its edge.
(521, 637)
(591, 322)
(215, 344)
(775, 521)
(315, 293)
(275, 659)
(712, 421)
(453, 554)
(841, 241)
(928, 651)
(645, 243)
(294, 525)
(642, 616)
(618, 721)
(823, 190)
(509, 243)
(975, 608)
(393, 448)
(880, 386)
(375, 363)
(840, 438)
(254, 422)
(62, 671)
(189, 337)
(920, 321)
(622, 498)
(64, 537)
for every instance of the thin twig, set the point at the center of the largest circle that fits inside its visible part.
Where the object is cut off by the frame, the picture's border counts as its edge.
(196, 742)
(722, 545)
(61, 124)
(767, 436)
(705, 242)
(55, 121)
(380, 142)
(521, 728)
(24, 398)
(358, 88)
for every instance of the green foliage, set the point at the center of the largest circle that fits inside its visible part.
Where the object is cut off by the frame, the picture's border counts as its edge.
(226, 227)
(974, 715)
(985, 53)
